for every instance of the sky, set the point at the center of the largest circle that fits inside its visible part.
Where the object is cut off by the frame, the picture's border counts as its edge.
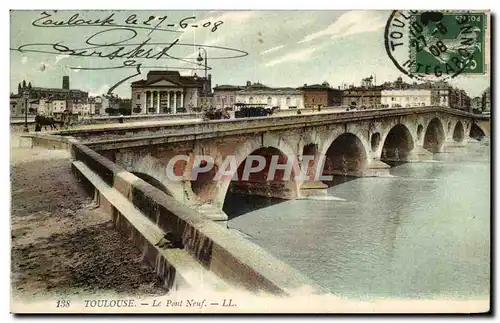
(285, 48)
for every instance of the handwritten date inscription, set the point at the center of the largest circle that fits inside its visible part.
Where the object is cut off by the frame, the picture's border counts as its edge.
(153, 22)
(119, 41)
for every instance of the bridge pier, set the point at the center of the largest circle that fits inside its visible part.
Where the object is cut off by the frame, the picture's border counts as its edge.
(313, 188)
(377, 168)
(452, 146)
(419, 153)
(275, 189)
(211, 212)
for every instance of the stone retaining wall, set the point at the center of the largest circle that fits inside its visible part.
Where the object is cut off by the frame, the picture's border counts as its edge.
(229, 256)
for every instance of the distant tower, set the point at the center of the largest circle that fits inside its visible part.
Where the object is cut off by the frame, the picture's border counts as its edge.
(65, 84)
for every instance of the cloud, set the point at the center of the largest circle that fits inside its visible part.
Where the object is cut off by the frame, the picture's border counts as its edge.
(297, 56)
(272, 49)
(350, 23)
(60, 57)
(228, 16)
(100, 91)
(239, 16)
(42, 67)
(191, 57)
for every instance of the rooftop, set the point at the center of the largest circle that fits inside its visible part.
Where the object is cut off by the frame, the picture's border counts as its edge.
(227, 87)
(172, 77)
(56, 89)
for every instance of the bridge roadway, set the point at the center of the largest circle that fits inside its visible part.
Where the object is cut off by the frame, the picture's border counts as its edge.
(354, 143)
(153, 133)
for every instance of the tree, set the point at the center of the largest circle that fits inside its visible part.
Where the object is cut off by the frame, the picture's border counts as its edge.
(24, 84)
(19, 89)
(137, 110)
(110, 111)
(125, 106)
(124, 111)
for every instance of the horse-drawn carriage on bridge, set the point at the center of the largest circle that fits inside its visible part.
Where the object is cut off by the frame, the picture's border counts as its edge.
(250, 110)
(241, 110)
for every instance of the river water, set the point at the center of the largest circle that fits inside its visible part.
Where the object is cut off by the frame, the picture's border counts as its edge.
(424, 233)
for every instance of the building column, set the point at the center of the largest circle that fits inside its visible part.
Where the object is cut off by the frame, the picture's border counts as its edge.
(145, 102)
(158, 102)
(175, 102)
(182, 99)
(151, 95)
(168, 102)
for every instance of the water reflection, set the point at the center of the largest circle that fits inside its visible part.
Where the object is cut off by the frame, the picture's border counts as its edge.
(421, 234)
(237, 204)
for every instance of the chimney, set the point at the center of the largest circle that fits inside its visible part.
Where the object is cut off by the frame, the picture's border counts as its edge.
(65, 83)
(249, 83)
(305, 84)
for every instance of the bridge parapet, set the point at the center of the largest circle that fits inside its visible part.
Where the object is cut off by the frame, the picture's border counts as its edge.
(230, 257)
(249, 124)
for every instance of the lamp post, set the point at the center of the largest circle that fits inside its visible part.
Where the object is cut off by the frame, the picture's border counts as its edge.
(200, 59)
(26, 96)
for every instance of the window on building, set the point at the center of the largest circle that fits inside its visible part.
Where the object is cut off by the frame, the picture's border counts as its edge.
(393, 99)
(269, 100)
(288, 100)
(250, 100)
(138, 96)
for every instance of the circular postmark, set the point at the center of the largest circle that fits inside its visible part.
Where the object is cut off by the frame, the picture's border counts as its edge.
(436, 45)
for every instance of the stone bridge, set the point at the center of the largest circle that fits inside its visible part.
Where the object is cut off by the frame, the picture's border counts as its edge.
(361, 143)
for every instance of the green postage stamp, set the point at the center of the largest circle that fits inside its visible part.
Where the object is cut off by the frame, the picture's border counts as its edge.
(451, 42)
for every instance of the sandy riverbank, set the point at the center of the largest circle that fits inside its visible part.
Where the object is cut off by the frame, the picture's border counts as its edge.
(60, 242)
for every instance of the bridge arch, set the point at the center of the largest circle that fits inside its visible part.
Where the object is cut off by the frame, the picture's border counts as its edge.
(375, 141)
(346, 154)
(476, 132)
(420, 130)
(458, 132)
(257, 183)
(434, 136)
(153, 181)
(398, 144)
(485, 126)
(154, 172)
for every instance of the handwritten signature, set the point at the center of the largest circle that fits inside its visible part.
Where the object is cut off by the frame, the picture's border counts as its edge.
(117, 41)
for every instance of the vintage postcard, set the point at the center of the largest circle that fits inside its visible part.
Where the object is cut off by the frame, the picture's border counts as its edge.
(252, 161)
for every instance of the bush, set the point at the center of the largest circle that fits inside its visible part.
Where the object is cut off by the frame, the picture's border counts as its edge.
(137, 110)
(124, 111)
(110, 111)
